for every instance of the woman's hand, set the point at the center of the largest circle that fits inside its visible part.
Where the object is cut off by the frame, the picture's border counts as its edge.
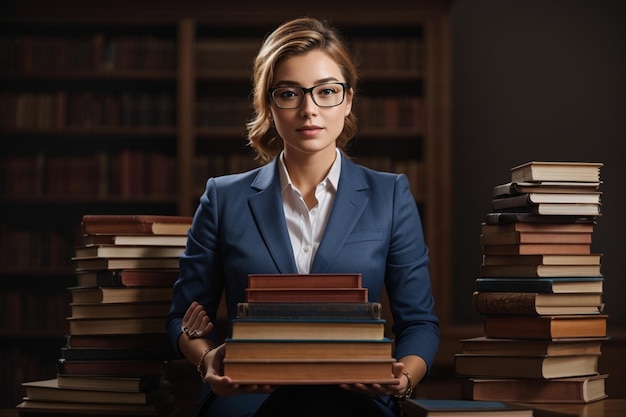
(196, 323)
(398, 387)
(223, 385)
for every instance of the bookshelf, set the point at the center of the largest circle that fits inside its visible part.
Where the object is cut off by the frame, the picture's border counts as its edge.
(110, 112)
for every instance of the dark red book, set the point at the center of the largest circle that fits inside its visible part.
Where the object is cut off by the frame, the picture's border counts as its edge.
(135, 224)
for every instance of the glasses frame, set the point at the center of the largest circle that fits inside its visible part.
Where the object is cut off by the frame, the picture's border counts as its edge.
(305, 90)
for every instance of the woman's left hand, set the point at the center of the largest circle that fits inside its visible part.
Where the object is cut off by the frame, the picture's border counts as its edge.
(398, 387)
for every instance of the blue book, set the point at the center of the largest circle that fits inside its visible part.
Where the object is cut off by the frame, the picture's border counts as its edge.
(540, 285)
(445, 408)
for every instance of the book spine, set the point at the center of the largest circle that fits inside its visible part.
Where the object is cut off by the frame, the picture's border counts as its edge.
(330, 310)
(277, 295)
(510, 285)
(504, 303)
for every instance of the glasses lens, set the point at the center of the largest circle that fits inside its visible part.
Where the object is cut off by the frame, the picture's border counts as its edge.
(328, 95)
(324, 95)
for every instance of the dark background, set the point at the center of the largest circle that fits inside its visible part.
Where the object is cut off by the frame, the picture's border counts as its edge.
(537, 80)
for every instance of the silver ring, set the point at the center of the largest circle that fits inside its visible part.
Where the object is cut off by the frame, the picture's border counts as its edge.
(185, 329)
(194, 334)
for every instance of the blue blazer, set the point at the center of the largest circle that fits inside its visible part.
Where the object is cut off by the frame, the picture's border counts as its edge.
(374, 228)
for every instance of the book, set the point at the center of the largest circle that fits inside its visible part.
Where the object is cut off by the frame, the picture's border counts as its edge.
(514, 188)
(545, 227)
(582, 389)
(135, 224)
(556, 171)
(551, 209)
(545, 327)
(309, 371)
(541, 259)
(308, 329)
(271, 349)
(74, 353)
(503, 217)
(540, 285)
(118, 310)
(482, 345)
(83, 264)
(132, 368)
(113, 341)
(285, 295)
(530, 199)
(319, 281)
(125, 325)
(540, 271)
(120, 295)
(421, 407)
(127, 278)
(109, 383)
(536, 303)
(135, 240)
(49, 390)
(543, 367)
(511, 238)
(30, 407)
(113, 251)
(364, 310)
(538, 249)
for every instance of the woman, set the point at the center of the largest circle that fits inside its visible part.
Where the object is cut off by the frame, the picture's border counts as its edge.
(309, 209)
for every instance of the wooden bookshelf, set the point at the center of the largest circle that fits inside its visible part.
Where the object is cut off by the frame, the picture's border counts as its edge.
(129, 107)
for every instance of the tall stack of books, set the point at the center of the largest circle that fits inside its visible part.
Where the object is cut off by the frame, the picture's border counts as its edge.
(113, 362)
(308, 329)
(539, 291)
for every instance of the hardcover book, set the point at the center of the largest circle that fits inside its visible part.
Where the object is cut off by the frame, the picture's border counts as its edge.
(543, 367)
(85, 264)
(540, 285)
(557, 171)
(135, 240)
(116, 341)
(528, 303)
(108, 383)
(319, 281)
(366, 310)
(417, 407)
(286, 295)
(512, 238)
(119, 310)
(125, 325)
(538, 249)
(99, 354)
(135, 224)
(49, 390)
(482, 345)
(121, 368)
(308, 329)
(502, 217)
(514, 188)
(113, 251)
(127, 278)
(540, 271)
(541, 259)
(545, 327)
(530, 199)
(583, 389)
(271, 349)
(309, 371)
(120, 295)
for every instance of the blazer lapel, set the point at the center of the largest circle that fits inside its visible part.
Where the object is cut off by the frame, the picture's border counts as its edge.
(350, 201)
(267, 209)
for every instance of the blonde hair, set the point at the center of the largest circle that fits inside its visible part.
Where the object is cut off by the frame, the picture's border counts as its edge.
(293, 38)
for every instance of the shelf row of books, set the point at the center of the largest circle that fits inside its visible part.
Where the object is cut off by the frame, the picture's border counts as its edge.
(101, 174)
(308, 329)
(24, 246)
(96, 53)
(539, 291)
(113, 362)
(37, 310)
(87, 110)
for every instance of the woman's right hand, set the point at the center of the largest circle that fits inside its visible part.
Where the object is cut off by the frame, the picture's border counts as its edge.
(196, 323)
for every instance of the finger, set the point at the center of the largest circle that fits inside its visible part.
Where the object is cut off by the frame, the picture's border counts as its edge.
(187, 316)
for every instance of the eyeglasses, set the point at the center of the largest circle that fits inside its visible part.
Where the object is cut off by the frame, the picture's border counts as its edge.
(323, 95)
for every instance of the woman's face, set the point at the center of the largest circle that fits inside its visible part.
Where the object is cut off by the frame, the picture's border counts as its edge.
(309, 128)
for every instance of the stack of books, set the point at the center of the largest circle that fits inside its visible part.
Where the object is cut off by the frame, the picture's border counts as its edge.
(308, 329)
(113, 362)
(540, 290)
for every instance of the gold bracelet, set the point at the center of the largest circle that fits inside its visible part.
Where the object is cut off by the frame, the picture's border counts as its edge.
(409, 388)
(201, 362)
